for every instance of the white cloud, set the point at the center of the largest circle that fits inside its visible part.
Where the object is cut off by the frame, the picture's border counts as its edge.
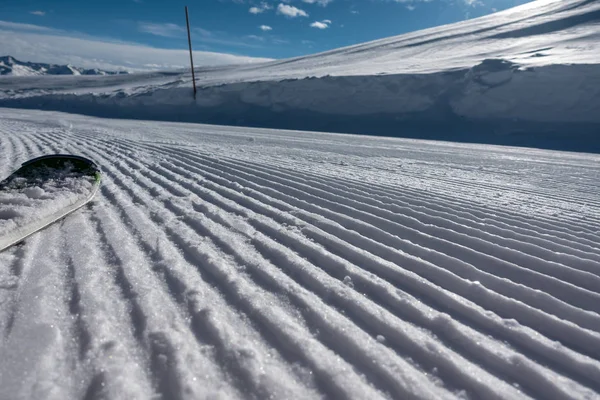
(42, 44)
(259, 9)
(265, 28)
(410, 7)
(39, 13)
(290, 11)
(319, 25)
(322, 3)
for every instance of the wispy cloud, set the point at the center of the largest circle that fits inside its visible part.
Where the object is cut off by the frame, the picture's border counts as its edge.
(38, 13)
(39, 43)
(260, 8)
(15, 26)
(322, 3)
(290, 11)
(321, 24)
(164, 29)
(265, 28)
(221, 38)
(200, 35)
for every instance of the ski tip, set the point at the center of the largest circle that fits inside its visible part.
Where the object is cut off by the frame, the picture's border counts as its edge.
(55, 165)
(50, 157)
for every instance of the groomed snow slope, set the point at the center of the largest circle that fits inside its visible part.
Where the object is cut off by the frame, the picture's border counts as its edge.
(528, 75)
(245, 263)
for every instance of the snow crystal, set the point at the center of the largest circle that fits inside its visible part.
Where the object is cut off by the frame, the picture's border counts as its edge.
(35, 192)
(348, 281)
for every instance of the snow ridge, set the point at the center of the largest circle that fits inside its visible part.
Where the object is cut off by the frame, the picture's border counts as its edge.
(247, 263)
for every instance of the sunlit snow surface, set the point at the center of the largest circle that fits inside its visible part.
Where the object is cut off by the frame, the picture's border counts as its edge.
(224, 262)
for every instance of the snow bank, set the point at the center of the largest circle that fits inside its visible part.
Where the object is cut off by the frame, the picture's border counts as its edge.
(496, 101)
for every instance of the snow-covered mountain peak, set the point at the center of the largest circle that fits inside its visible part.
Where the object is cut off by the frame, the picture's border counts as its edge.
(11, 66)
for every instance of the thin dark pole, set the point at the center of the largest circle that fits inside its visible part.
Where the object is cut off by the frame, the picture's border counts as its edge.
(187, 21)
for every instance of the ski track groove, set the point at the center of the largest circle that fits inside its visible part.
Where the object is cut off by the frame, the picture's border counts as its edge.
(542, 226)
(166, 364)
(459, 222)
(182, 243)
(8, 150)
(371, 290)
(442, 200)
(477, 277)
(586, 266)
(179, 193)
(347, 395)
(436, 332)
(377, 184)
(208, 232)
(51, 344)
(107, 341)
(405, 190)
(446, 243)
(146, 187)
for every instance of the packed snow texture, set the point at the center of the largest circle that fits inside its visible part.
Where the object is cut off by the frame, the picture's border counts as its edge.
(221, 262)
(528, 75)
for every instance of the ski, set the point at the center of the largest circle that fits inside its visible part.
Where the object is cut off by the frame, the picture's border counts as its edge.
(42, 191)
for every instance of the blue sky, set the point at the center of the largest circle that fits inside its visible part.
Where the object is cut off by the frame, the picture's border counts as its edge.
(255, 28)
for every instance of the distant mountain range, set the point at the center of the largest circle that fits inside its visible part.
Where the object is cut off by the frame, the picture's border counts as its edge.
(11, 66)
